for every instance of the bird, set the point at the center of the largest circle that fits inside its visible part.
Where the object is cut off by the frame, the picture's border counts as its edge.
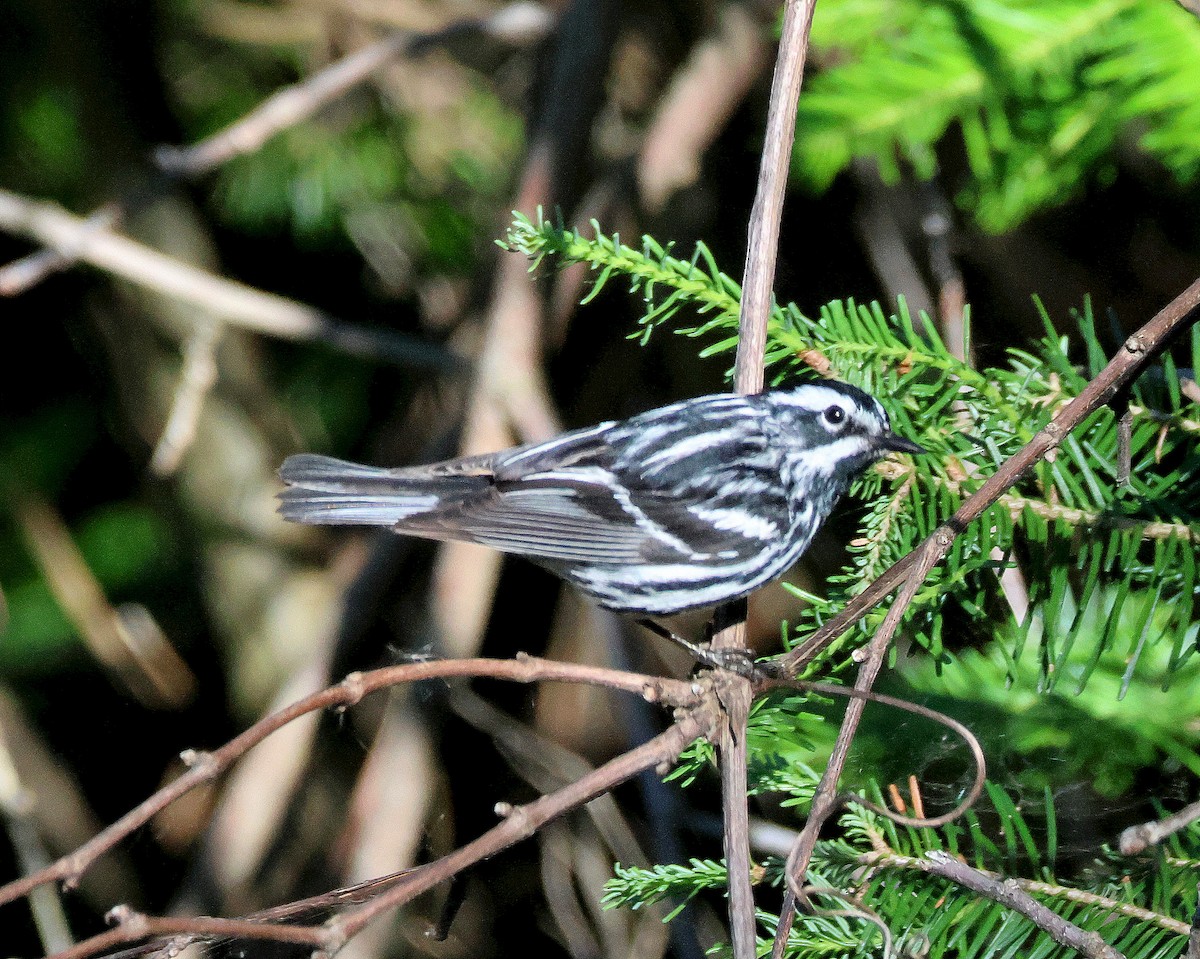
(687, 506)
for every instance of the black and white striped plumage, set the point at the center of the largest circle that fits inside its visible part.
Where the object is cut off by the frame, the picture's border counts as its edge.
(685, 506)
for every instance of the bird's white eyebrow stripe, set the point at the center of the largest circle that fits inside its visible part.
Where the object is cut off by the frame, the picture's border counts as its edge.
(812, 397)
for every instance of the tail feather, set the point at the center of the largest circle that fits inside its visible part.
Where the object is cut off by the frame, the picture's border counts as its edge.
(327, 491)
(330, 475)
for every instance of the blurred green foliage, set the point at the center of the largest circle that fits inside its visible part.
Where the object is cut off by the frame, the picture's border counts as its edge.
(430, 179)
(1039, 94)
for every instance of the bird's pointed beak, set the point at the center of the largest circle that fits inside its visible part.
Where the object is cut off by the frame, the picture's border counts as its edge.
(898, 444)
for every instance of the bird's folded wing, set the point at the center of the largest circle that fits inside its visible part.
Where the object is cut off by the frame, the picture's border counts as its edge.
(563, 518)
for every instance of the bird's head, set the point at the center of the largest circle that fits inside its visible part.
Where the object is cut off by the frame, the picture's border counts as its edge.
(840, 429)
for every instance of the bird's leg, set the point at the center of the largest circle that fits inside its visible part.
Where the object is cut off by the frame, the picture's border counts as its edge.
(737, 661)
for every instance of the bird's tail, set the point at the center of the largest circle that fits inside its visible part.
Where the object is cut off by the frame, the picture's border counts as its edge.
(327, 491)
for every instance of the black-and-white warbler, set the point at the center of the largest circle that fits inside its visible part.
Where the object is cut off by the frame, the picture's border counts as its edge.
(686, 506)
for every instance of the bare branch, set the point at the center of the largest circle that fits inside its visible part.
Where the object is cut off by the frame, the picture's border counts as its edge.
(1009, 893)
(763, 244)
(205, 766)
(235, 303)
(825, 799)
(1135, 839)
(762, 250)
(519, 823)
(126, 640)
(515, 23)
(523, 821)
(888, 859)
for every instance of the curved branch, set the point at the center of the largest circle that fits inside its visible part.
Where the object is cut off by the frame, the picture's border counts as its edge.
(520, 822)
(963, 732)
(206, 766)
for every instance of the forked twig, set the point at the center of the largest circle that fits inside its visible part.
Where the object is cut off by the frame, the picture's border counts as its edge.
(520, 823)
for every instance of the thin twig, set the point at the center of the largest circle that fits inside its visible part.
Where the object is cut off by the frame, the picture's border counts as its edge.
(1135, 839)
(825, 799)
(523, 821)
(704, 93)
(762, 246)
(205, 766)
(919, 820)
(889, 859)
(520, 823)
(1009, 893)
(126, 640)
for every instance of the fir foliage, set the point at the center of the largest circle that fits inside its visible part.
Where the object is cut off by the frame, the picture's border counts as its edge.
(1140, 906)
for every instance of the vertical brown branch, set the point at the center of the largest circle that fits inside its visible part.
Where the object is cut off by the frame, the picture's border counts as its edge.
(762, 246)
(761, 252)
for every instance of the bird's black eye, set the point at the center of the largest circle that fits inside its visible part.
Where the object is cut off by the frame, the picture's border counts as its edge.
(834, 415)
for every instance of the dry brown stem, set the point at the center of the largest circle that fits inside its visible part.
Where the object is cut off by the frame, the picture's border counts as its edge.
(1138, 838)
(206, 766)
(520, 822)
(1010, 894)
(736, 693)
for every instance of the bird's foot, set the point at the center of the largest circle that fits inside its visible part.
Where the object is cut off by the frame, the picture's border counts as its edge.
(734, 660)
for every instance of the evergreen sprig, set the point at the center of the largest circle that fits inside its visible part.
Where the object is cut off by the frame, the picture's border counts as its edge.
(1072, 529)
(1140, 906)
